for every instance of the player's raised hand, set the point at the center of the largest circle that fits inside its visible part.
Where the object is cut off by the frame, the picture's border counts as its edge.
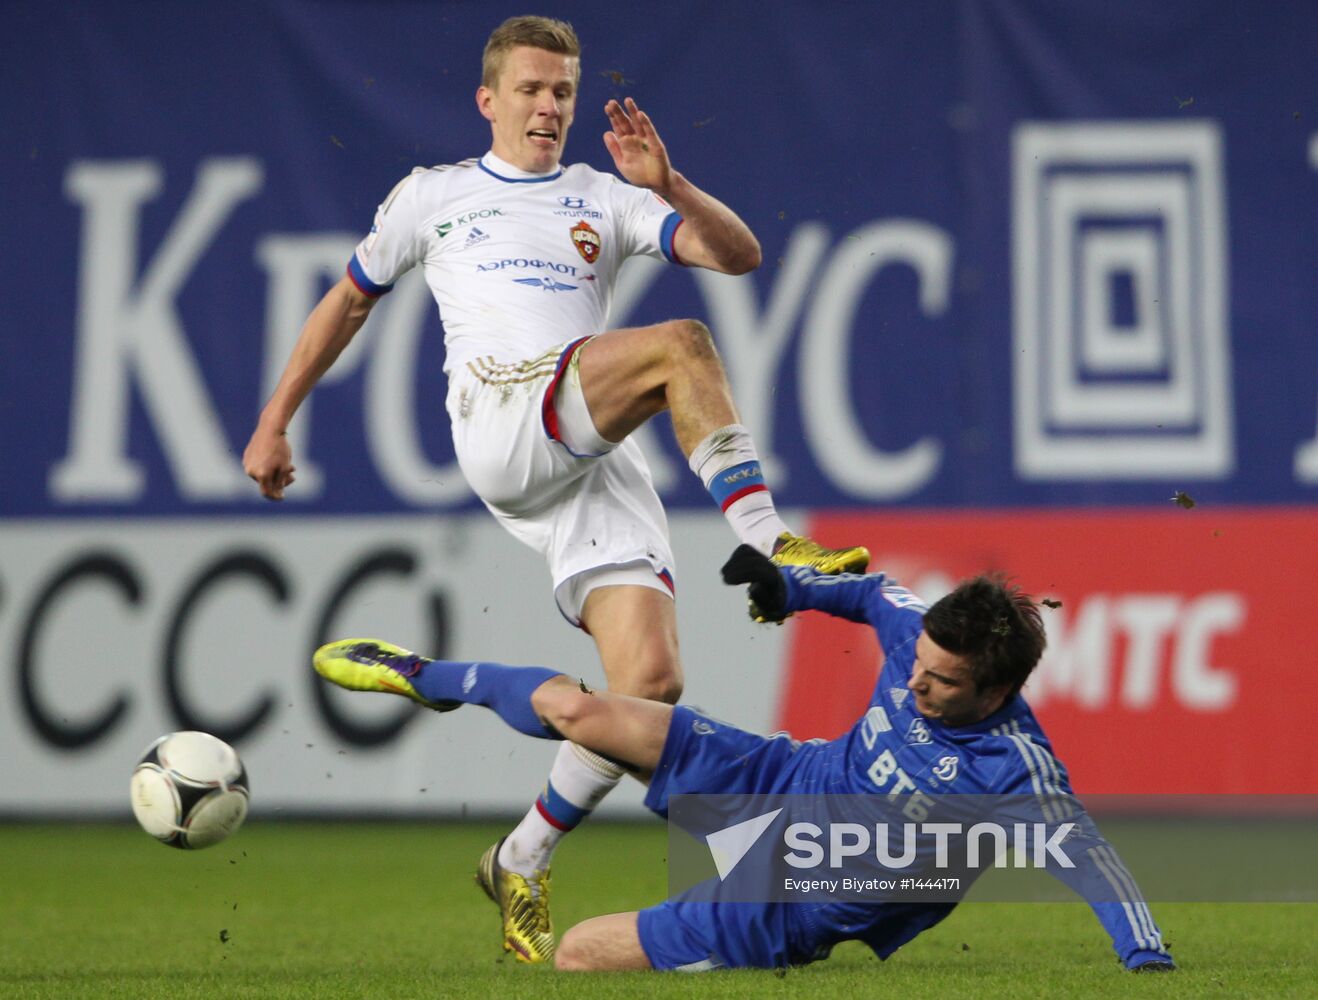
(637, 150)
(268, 459)
(767, 592)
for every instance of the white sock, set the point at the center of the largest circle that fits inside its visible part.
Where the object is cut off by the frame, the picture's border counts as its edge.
(728, 465)
(577, 783)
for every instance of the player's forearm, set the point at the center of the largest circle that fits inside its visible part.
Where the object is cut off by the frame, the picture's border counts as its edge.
(727, 243)
(328, 330)
(1102, 879)
(846, 596)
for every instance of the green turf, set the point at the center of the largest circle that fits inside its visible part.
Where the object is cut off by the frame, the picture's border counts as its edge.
(390, 911)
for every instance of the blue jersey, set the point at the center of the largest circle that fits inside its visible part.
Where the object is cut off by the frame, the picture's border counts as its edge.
(892, 751)
(895, 751)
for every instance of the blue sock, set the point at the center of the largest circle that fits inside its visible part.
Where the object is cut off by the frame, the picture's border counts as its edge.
(506, 690)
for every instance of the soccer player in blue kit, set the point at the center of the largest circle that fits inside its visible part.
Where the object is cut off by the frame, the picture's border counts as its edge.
(953, 720)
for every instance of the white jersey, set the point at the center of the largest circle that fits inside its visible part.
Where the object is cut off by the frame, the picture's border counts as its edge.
(518, 262)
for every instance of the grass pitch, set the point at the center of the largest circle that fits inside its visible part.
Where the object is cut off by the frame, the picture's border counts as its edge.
(390, 911)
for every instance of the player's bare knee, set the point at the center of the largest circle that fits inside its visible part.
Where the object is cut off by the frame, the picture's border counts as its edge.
(696, 340)
(573, 712)
(570, 955)
(564, 961)
(651, 671)
(665, 686)
(693, 341)
(561, 704)
(670, 691)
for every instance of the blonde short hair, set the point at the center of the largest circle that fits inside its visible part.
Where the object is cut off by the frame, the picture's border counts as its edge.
(532, 32)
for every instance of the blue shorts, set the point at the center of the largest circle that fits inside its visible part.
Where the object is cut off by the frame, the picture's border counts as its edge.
(702, 754)
(705, 755)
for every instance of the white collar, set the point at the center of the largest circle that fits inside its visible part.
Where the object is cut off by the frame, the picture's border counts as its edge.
(502, 168)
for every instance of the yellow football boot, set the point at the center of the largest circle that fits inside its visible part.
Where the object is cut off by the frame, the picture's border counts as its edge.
(523, 904)
(375, 665)
(797, 550)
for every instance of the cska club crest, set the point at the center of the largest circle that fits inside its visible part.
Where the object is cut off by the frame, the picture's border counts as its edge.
(587, 242)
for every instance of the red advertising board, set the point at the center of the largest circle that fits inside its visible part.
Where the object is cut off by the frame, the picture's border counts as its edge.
(1182, 653)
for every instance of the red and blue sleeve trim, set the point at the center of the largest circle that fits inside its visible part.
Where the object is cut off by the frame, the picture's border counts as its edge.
(357, 275)
(668, 236)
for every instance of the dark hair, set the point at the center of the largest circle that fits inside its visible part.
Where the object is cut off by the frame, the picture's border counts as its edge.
(531, 31)
(995, 626)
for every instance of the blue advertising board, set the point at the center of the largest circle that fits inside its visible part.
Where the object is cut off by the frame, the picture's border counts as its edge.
(1016, 253)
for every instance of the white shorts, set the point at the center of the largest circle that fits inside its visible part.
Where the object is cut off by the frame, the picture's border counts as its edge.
(526, 444)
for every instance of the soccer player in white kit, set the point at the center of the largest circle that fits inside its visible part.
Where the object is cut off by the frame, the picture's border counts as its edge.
(522, 254)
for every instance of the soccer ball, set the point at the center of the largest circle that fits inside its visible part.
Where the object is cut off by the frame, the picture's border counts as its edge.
(190, 790)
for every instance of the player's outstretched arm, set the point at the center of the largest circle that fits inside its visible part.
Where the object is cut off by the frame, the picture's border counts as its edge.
(1106, 884)
(338, 316)
(1093, 868)
(712, 235)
